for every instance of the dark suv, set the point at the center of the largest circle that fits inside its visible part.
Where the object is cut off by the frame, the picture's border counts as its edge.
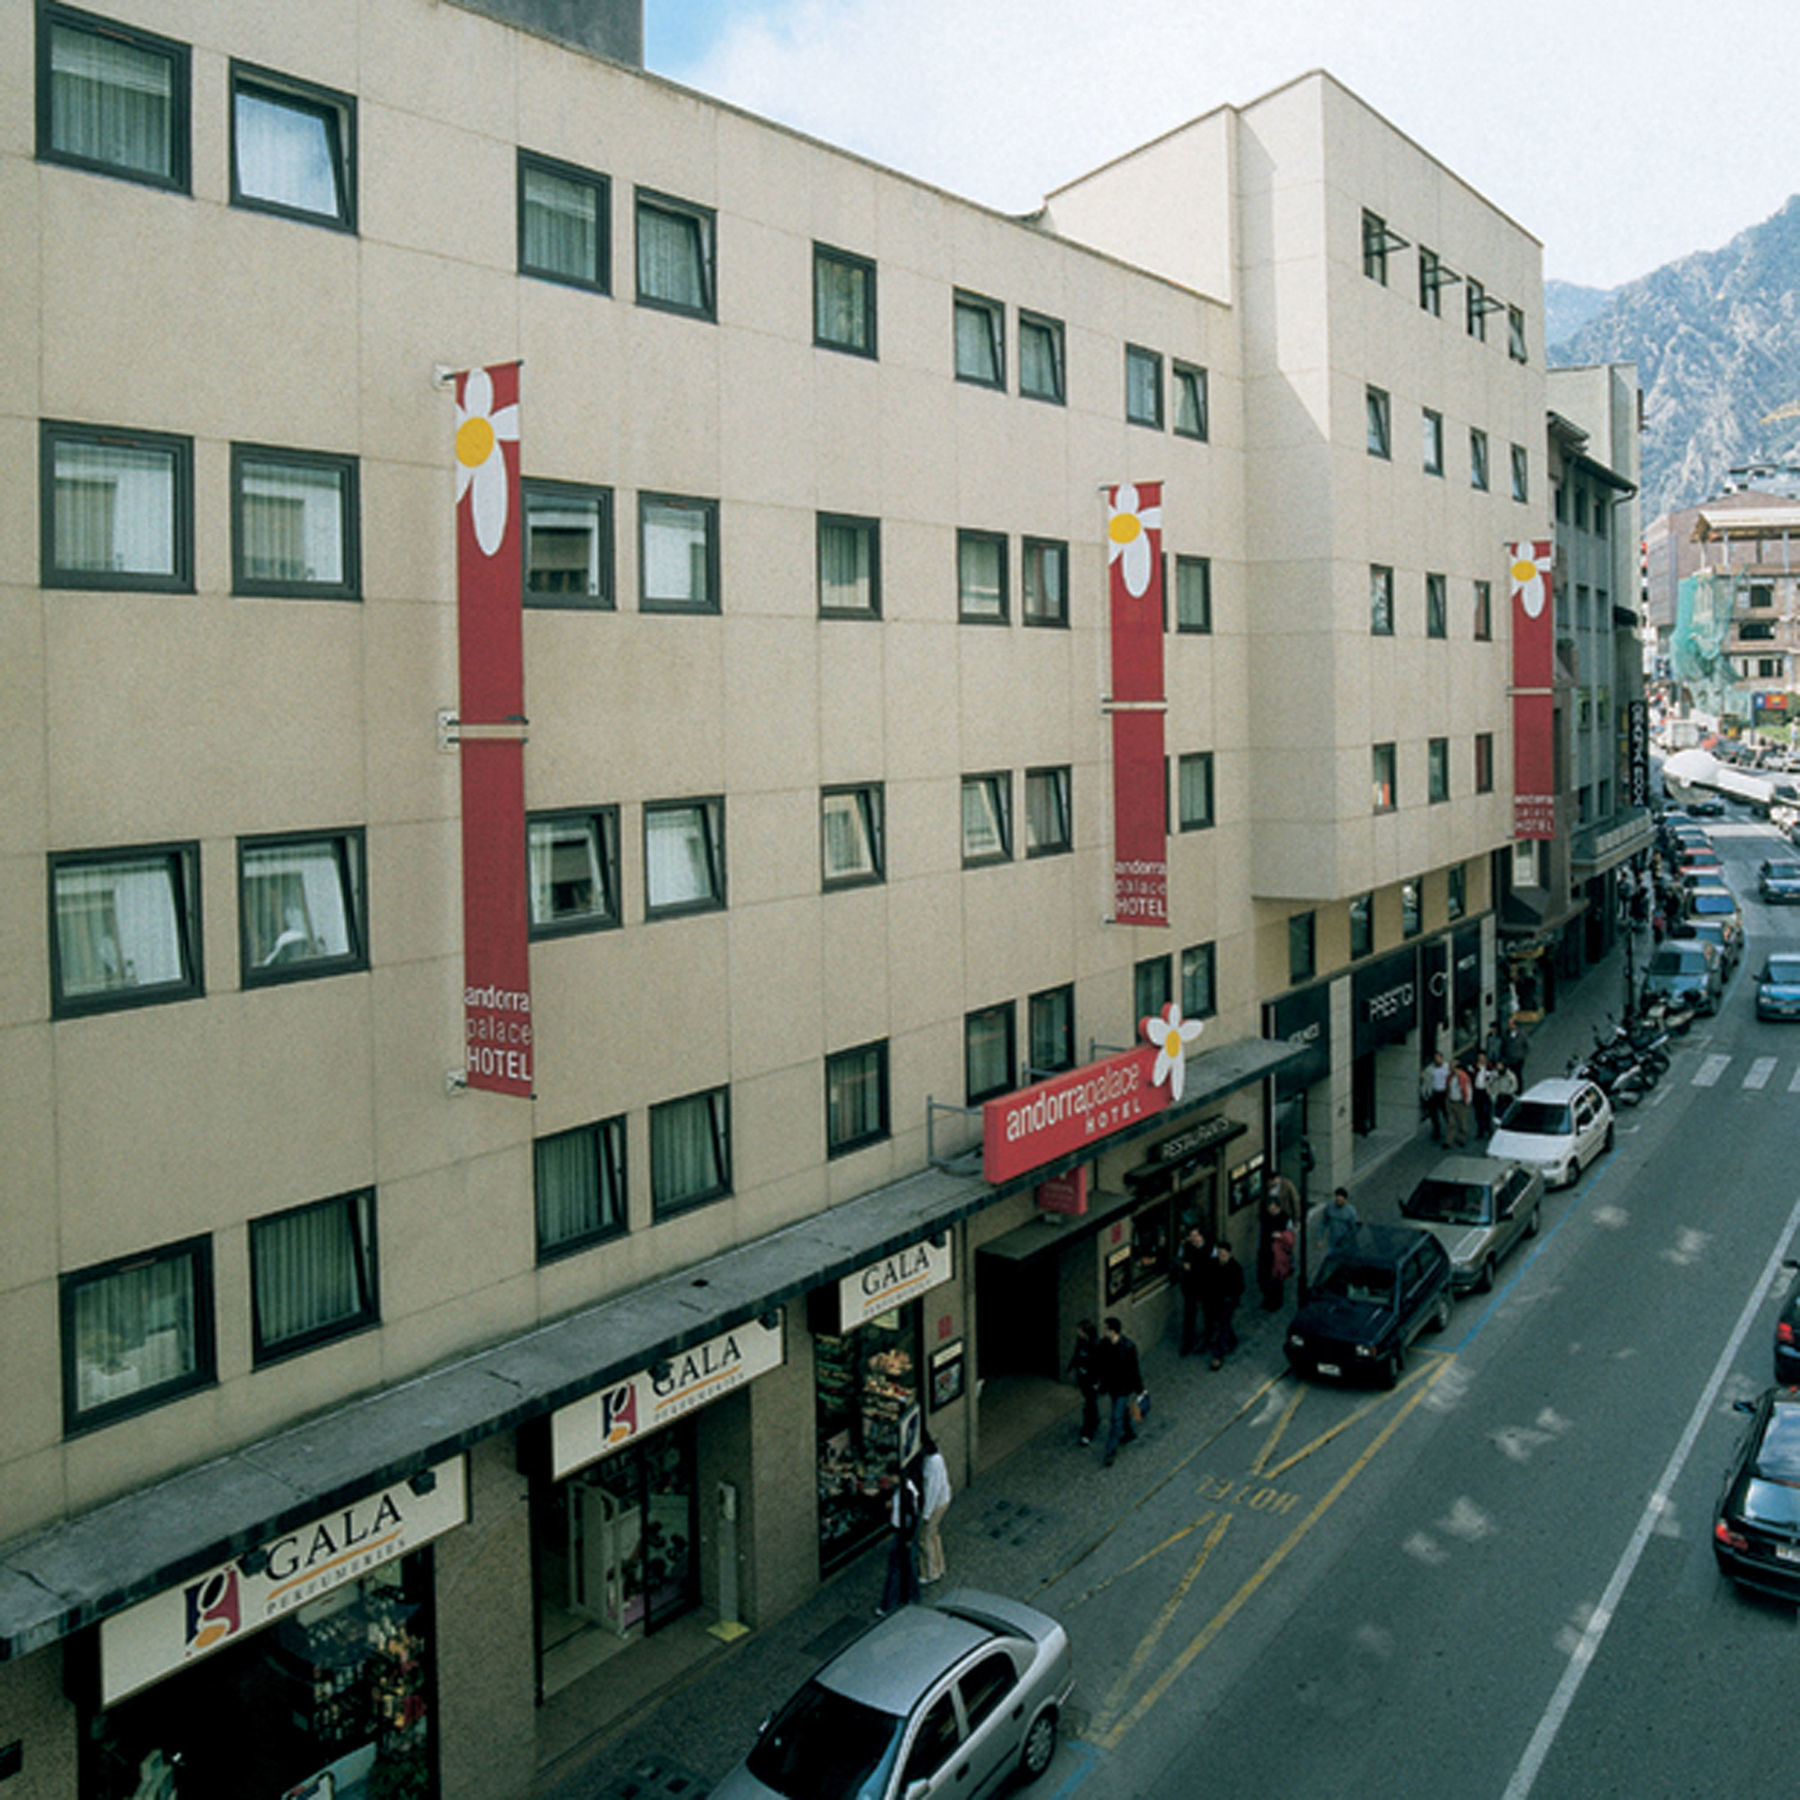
(1372, 1298)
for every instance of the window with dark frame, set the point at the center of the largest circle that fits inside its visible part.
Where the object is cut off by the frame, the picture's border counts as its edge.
(990, 1056)
(1380, 425)
(1303, 950)
(293, 148)
(1044, 578)
(1362, 926)
(843, 301)
(125, 928)
(849, 567)
(690, 1152)
(116, 509)
(684, 856)
(1193, 593)
(1049, 823)
(572, 871)
(295, 530)
(1515, 334)
(1437, 768)
(981, 585)
(1050, 1026)
(1200, 981)
(856, 1098)
(137, 1332)
(979, 327)
(1382, 768)
(1484, 611)
(678, 554)
(675, 255)
(1041, 374)
(1194, 785)
(1431, 289)
(301, 907)
(1456, 891)
(1431, 451)
(565, 231)
(1437, 606)
(1376, 242)
(1192, 414)
(1476, 310)
(1381, 600)
(112, 99)
(312, 1276)
(579, 1187)
(1484, 762)
(1521, 473)
(986, 819)
(1478, 458)
(1412, 908)
(568, 545)
(1143, 386)
(1152, 988)
(850, 835)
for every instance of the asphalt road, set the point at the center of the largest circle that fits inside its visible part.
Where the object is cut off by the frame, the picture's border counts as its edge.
(1497, 1580)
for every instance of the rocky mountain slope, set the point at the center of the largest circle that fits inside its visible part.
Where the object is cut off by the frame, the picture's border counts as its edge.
(1716, 338)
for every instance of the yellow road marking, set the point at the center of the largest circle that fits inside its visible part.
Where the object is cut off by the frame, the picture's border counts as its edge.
(1281, 1425)
(1343, 1425)
(1110, 1739)
(1164, 1618)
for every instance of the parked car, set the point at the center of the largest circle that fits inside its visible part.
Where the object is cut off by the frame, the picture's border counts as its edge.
(1702, 862)
(1787, 1332)
(1707, 808)
(1375, 1295)
(1557, 1126)
(1712, 931)
(956, 1693)
(1680, 966)
(1716, 903)
(1756, 1525)
(1778, 988)
(1779, 882)
(1477, 1208)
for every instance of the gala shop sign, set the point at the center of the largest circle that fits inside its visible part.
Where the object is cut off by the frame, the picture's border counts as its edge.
(1068, 1112)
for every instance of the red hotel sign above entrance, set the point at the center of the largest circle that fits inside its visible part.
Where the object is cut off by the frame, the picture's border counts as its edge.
(1069, 1112)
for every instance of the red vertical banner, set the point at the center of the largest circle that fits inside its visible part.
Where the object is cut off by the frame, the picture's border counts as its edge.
(1134, 577)
(491, 704)
(1533, 694)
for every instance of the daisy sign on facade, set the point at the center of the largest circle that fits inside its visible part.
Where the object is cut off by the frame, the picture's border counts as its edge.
(491, 741)
(1134, 580)
(1534, 701)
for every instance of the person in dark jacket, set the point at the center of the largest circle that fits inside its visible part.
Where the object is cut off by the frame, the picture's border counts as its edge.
(1274, 1252)
(1084, 1371)
(901, 1587)
(1190, 1276)
(1219, 1300)
(1121, 1380)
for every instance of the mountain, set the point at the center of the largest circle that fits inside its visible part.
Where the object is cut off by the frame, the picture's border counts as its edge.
(1568, 307)
(1716, 339)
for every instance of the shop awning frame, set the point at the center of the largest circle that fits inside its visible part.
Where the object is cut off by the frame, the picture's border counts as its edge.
(81, 1570)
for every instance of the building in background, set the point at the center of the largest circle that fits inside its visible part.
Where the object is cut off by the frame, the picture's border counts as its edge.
(365, 1422)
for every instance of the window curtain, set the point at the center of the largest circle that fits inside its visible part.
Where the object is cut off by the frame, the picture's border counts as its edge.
(1196, 790)
(1193, 592)
(1038, 373)
(1197, 982)
(562, 225)
(134, 1331)
(677, 856)
(844, 573)
(286, 154)
(979, 568)
(1152, 987)
(854, 1102)
(292, 523)
(687, 1149)
(1044, 582)
(118, 925)
(296, 906)
(562, 538)
(1047, 811)
(1050, 1045)
(675, 562)
(670, 254)
(843, 303)
(309, 1269)
(1190, 403)
(849, 835)
(114, 509)
(984, 828)
(576, 1194)
(111, 102)
(977, 356)
(566, 877)
(989, 1052)
(1144, 376)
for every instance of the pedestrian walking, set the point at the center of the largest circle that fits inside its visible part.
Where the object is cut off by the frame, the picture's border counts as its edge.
(1221, 1296)
(1435, 1088)
(934, 1502)
(1341, 1221)
(1483, 1083)
(1512, 1054)
(1085, 1373)
(1190, 1277)
(1459, 1096)
(1121, 1380)
(901, 1587)
(1274, 1252)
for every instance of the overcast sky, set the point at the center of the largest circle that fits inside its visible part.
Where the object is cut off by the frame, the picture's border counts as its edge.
(1623, 133)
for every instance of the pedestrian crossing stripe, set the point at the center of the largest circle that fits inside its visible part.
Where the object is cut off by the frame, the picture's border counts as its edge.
(1758, 1076)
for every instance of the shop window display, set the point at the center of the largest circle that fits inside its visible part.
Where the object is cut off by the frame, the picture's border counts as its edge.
(333, 1702)
(868, 1419)
(1152, 1244)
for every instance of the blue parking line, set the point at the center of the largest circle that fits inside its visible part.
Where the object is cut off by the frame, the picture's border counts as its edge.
(1089, 1759)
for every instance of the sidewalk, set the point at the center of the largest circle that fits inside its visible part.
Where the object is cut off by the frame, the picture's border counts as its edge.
(1019, 1526)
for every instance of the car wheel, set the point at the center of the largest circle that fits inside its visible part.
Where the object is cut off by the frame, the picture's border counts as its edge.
(1607, 1144)
(1392, 1369)
(1534, 1223)
(1039, 1746)
(1484, 1282)
(1440, 1318)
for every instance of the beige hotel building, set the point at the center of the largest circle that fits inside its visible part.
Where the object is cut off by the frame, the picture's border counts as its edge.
(361, 1424)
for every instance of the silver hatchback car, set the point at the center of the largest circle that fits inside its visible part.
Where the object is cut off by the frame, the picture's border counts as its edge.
(1477, 1207)
(945, 1698)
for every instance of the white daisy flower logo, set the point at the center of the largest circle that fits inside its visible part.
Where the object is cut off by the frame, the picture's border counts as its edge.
(480, 463)
(1171, 1034)
(1128, 528)
(1531, 576)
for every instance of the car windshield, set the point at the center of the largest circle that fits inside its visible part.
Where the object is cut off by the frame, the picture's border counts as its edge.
(1778, 1455)
(1783, 971)
(1371, 1282)
(1540, 1118)
(1783, 872)
(1713, 903)
(1451, 1202)
(1670, 960)
(823, 1746)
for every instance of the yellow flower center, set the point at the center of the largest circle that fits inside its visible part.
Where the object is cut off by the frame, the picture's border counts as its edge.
(1172, 1044)
(474, 442)
(1525, 571)
(1123, 527)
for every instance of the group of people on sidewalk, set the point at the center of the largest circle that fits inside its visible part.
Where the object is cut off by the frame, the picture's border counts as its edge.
(1463, 1098)
(916, 1508)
